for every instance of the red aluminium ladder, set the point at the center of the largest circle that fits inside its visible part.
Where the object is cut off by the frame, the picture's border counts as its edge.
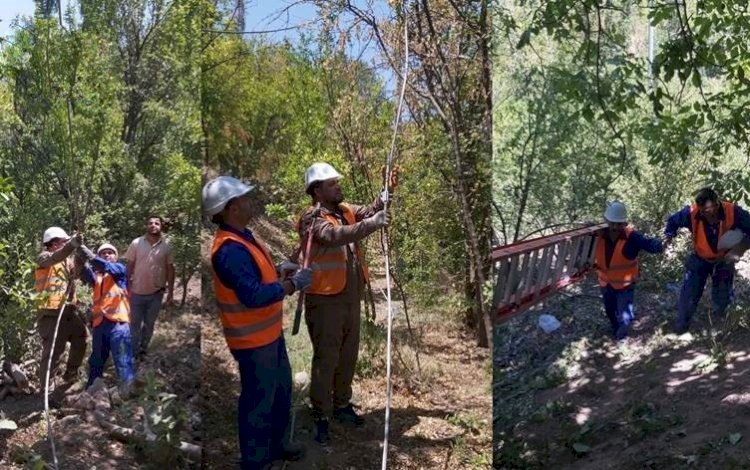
(532, 270)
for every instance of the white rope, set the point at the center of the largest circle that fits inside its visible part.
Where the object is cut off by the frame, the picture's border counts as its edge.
(389, 162)
(46, 379)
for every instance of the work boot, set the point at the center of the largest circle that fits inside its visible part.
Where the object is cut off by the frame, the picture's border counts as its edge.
(292, 451)
(321, 431)
(347, 415)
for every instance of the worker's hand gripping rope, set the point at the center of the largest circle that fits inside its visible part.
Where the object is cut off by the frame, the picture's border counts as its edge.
(68, 293)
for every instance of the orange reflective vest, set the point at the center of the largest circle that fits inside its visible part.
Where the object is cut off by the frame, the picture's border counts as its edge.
(50, 283)
(246, 327)
(621, 272)
(700, 241)
(110, 300)
(329, 277)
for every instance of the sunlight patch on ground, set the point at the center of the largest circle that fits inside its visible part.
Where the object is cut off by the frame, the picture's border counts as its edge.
(583, 415)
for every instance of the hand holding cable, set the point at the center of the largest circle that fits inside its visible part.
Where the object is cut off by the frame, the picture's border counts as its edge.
(285, 268)
(76, 240)
(381, 219)
(302, 279)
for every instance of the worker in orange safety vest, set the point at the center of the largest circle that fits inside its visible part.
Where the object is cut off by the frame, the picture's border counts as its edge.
(54, 275)
(333, 301)
(110, 315)
(708, 219)
(617, 268)
(250, 293)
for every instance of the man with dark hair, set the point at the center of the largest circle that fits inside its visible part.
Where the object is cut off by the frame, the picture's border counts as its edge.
(708, 219)
(332, 303)
(150, 273)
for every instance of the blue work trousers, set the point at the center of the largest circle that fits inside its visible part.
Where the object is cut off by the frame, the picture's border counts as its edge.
(619, 307)
(111, 337)
(697, 271)
(265, 403)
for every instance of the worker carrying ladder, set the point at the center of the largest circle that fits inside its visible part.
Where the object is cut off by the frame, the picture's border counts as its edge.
(531, 270)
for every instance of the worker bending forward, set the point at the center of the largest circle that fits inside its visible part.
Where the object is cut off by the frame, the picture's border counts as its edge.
(617, 267)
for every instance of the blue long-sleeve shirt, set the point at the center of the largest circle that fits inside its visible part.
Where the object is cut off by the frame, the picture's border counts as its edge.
(237, 269)
(117, 270)
(681, 219)
(635, 243)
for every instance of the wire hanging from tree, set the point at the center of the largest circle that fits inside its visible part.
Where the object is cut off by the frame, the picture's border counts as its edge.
(387, 177)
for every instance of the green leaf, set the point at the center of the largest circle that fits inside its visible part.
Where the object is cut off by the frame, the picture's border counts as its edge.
(734, 438)
(696, 78)
(525, 38)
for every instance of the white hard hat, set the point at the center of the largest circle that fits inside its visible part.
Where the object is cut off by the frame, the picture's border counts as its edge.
(616, 213)
(218, 191)
(52, 233)
(320, 172)
(106, 246)
(730, 239)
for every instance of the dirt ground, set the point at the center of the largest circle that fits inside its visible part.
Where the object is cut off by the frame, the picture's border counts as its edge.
(441, 422)
(171, 367)
(575, 399)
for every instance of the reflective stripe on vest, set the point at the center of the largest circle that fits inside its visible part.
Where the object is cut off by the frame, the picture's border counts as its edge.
(50, 284)
(110, 301)
(700, 242)
(621, 271)
(329, 277)
(246, 327)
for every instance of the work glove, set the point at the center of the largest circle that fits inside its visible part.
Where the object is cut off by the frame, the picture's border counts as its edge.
(285, 267)
(86, 253)
(381, 219)
(76, 240)
(302, 279)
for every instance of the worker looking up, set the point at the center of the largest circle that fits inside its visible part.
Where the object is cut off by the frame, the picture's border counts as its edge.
(111, 316)
(249, 294)
(55, 272)
(332, 303)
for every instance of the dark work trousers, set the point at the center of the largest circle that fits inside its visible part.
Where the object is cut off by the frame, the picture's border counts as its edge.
(697, 271)
(264, 407)
(72, 330)
(619, 307)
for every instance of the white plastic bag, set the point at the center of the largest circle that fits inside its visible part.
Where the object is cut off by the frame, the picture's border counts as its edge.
(548, 323)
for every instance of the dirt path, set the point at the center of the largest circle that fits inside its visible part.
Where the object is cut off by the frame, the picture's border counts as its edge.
(574, 399)
(428, 427)
(171, 367)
